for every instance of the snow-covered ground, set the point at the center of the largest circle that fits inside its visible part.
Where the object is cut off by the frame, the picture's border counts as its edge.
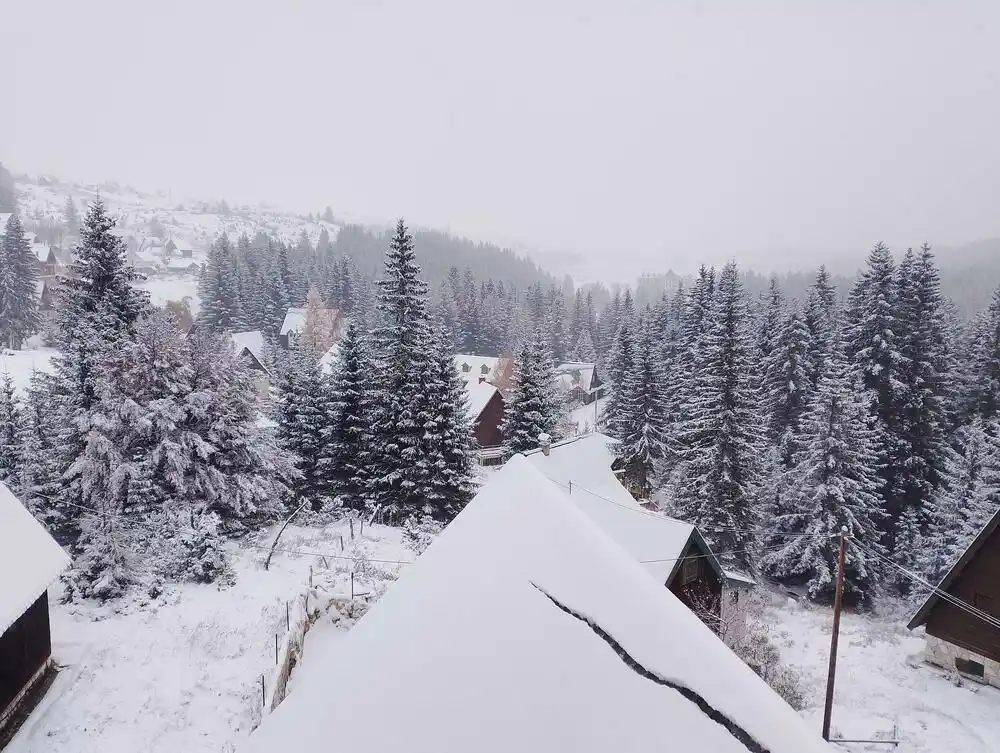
(881, 681)
(21, 363)
(183, 673)
(164, 289)
(585, 416)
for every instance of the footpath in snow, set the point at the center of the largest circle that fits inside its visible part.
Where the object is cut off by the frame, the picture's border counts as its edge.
(182, 673)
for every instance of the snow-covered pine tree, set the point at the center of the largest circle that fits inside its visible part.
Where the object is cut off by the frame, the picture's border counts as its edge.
(533, 408)
(643, 442)
(18, 277)
(786, 383)
(833, 485)
(555, 325)
(820, 316)
(923, 414)
(317, 332)
(397, 467)
(38, 483)
(873, 345)
(608, 323)
(771, 319)
(220, 295)
(721, 439)
(621, 363)
(347, 443)
(983, 392)
(448, 438)
(967, 502)
(10, 421)
(304, 410)
(583, 350)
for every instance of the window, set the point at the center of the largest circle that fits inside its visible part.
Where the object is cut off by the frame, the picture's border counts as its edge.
(983, 602)
(689, 571)
(466, 368)
(969, 667)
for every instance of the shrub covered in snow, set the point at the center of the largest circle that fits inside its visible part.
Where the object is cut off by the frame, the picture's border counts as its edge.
(418, 534)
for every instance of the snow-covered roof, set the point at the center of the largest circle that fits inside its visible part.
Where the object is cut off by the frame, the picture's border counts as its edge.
(480, 394)
(42, 251)
(525, 628)
(471, 367)
(574, 374)
(252, 340)
(30, 559)
(582, 467)
(295, 321)
(328, 359)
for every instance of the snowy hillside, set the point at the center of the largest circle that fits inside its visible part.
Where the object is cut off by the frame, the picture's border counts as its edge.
(183, 220)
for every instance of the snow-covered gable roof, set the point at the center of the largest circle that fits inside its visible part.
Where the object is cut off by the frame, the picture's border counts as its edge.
(472, 368)
(42, 252)
(582, 467)
(525, 628)
(30, 559)
(251, 340)
(328, 359)
(574, 374)
(295, 321)
(480, 394)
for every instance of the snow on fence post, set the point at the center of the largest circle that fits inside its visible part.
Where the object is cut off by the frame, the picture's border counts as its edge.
(350, 522)
(289, 652)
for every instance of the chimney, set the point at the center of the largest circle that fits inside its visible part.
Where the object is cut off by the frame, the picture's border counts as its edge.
(545, 442)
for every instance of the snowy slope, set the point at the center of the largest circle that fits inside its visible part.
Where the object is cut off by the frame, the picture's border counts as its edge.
(474, 650)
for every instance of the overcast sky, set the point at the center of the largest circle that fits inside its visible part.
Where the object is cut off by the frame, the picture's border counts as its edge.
(634, 135)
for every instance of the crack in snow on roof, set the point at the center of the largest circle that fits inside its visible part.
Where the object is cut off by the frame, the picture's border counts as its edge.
(744, 737)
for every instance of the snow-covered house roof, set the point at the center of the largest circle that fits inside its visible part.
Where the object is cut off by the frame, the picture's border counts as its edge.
(473, 368)
(251, 341)
(295, 321)
(480, 394)
(43, 252)
(558, 642)
(582, 467)
(574, 375)
(328, 359)
(29, 558)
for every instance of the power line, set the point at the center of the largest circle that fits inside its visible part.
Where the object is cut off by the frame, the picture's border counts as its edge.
(944, 595)
(336, 556)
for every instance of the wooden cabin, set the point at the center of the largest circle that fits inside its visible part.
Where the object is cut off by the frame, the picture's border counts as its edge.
(956, 639)
(30, 560)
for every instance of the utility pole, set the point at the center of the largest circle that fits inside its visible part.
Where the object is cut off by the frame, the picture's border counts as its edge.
(835, 636)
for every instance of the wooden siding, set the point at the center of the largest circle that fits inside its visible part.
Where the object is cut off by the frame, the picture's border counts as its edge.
(978, 584)
(487, 429)
(696, 584)
(24, 649)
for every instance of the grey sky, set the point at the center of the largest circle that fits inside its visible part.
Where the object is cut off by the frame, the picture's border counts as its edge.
(638, 135)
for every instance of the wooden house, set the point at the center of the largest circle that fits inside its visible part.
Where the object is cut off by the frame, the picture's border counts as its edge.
(956, 637)
(29, 560)
(249, 348)
(486, 408)
(579, 381)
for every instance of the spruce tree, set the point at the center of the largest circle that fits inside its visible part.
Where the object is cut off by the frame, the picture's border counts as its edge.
(18, 278)
(720, 440)
(983, 390)
(533, 408)
(38, 483)
(304, 411)
(401, 344)
(583, 350)
(786, 383)
(832, 485)
(873, 344)
(10, 421)
(771, 320)
(820, 317)
(347, 443)
(923, 415)
(967, 502)
(220, 294)
(644, 434)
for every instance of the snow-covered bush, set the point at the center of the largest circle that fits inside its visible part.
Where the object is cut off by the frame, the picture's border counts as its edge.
(106, 563)
(418, 534)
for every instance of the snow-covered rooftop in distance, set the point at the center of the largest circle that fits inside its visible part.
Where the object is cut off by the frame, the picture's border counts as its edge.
(295, 321)
(252, 340)
(480, 394)
(30, 559)
(574, 374)
(584, 463)
(328, 359)
(41, 251)
(525, 628)
(478, 366)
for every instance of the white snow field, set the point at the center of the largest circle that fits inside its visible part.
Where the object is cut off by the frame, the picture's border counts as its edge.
(181, 675)
(525, 628)
(881, 680)
(21, 363)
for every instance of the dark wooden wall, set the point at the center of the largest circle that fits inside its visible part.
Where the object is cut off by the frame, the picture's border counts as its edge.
(24, 648)
(704, 591)
(488, 426)
(979, 585)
